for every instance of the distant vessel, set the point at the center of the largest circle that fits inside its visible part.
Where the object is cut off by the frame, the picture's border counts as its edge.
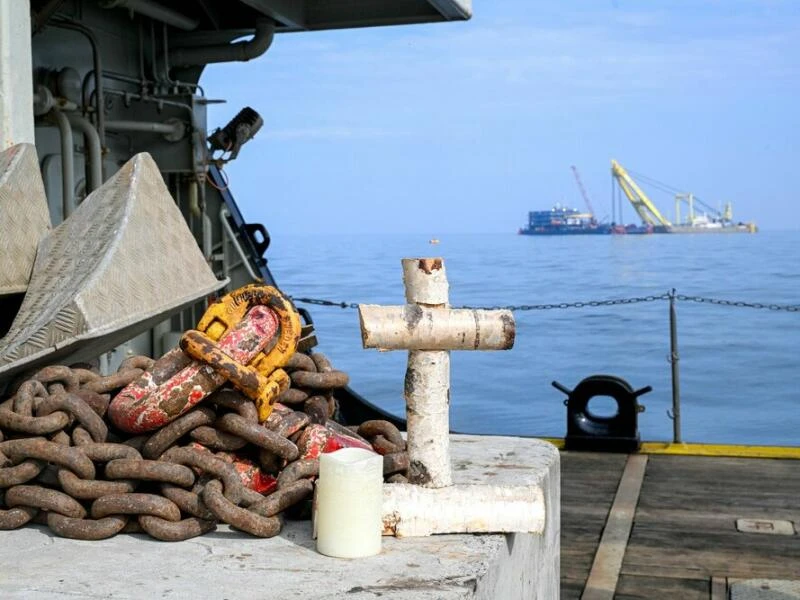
(561, 220)
(710, 221)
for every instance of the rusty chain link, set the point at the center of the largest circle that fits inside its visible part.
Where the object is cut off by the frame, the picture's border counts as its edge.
(63, 464)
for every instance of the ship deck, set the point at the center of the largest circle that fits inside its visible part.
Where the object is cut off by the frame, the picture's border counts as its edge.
(672, 520)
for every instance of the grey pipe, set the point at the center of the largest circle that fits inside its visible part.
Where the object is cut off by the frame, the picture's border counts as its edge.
(126, 96)
(238, 51)
(175, 128)
(93, 150)
(155, 11)
(67, 163)
(194, 202)
(100, 104)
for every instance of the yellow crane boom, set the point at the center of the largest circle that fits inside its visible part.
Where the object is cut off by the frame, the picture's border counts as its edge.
(641, 203)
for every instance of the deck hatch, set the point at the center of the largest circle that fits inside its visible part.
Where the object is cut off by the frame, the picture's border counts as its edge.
(768, 526)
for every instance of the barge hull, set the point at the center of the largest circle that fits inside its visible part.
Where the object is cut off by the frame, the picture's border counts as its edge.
(690, 229)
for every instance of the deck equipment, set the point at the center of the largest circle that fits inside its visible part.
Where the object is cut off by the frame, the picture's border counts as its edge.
(587, 430)
(107, 273)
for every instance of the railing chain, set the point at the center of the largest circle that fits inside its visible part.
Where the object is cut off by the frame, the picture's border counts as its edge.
(592, 303)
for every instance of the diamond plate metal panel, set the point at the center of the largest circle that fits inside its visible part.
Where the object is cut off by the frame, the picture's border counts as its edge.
(24, 218)
(123, 261)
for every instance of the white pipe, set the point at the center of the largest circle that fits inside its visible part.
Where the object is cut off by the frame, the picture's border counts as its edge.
(93, 150)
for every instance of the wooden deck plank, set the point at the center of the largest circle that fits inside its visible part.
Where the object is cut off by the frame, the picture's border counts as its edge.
(687, 514)
(571, 589)
(723, 556)
(632, 587)
(721, 520)
(604, 574)
(684, 532)
(588, 485)
(719, 588)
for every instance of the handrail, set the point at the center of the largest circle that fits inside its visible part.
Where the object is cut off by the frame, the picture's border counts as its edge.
(675, 413)
(595, 303)
(231, 237)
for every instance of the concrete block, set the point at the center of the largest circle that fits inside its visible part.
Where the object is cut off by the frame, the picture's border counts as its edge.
(226, 564)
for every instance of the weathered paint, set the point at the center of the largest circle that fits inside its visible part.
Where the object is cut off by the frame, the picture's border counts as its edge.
(319, 439)
(164, 393)
(249, 472)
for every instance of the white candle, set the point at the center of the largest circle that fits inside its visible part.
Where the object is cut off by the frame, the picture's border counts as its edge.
(348, 501)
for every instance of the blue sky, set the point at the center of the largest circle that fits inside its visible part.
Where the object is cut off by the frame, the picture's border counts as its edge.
(465, 127)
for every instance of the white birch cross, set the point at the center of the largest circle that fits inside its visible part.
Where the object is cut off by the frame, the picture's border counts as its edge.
(429, 329)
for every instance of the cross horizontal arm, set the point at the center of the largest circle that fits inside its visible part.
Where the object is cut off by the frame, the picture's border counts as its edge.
(411, 510)
(414, 327)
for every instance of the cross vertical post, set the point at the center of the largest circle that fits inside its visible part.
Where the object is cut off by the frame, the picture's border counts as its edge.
(427, 382)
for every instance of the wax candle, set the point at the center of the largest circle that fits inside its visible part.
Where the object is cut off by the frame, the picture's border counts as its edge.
(348, 501)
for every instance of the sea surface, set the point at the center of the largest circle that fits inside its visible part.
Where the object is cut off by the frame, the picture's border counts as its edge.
(739, 367)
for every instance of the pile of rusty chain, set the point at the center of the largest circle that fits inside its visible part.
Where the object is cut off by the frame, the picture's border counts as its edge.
(62, 463)
(313, 383)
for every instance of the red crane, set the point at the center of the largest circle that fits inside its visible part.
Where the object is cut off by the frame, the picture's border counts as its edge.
(583, 191)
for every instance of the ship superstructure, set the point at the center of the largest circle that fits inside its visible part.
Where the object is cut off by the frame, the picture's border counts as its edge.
(562, 220)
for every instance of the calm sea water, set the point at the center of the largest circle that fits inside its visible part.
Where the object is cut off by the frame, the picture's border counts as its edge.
(740, 367)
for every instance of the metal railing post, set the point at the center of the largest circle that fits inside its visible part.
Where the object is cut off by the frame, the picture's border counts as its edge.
(673, 359)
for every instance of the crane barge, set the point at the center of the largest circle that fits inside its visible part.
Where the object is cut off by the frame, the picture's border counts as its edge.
(710, 220)
(700, 217)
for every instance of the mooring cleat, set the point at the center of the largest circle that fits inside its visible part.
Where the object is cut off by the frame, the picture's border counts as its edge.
(122, 262)
(24, 217)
